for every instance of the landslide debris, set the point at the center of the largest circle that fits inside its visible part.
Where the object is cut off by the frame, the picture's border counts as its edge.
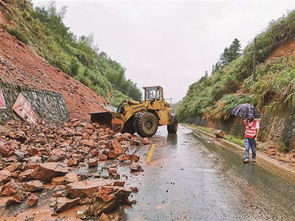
(39, 159)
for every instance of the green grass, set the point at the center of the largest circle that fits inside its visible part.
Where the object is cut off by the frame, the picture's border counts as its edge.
(234, 139)
(227, 137)
(19, 35)
(205, 129)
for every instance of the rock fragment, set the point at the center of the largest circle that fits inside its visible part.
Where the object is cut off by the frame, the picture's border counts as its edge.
(71, 178)
(86, 188)
(46, 171)
(5, 176)
(219, 133)
(135, 167)
(32, 200)
(33, 186)
(26, 175)
(271, 151)
(93, 162)
(63, 204)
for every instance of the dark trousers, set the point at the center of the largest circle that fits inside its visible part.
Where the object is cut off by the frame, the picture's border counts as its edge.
(250, 143)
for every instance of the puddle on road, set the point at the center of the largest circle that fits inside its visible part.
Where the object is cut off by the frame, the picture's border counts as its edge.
(277, 194)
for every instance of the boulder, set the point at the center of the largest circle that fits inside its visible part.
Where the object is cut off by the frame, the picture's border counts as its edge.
(26, 175)
(134, 189)
(60, 180)
(5, 176)
(145, 141)
(46, 171)
(106, 200)
(93, 152)
(118, 149)
(33, 186)
(219, 133)
(32, 151)
(32, 200)
(89, 143)
(10, 188)
(102, 157)
(93, 162)
(86, 188)
(134, 157)
(112, 155)
(12, 201)
(13, 167)
(268, 145)
(135, 167)
(63, 204)
(271, 151)
(113, 171)
(71, 178)
(4, 149)
(4, 131)
(123, 157)
(20, 155)
(72, 162)
(33, 161)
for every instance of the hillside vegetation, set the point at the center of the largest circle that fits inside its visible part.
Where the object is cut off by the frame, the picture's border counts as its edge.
(213, 98)
(43, 28)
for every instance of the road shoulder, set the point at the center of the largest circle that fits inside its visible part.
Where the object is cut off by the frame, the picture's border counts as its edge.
(285, 171)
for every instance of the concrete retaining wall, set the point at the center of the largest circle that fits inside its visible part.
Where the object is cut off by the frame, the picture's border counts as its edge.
(49, 106)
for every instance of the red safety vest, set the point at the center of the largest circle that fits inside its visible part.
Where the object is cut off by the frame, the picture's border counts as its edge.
(250, 130)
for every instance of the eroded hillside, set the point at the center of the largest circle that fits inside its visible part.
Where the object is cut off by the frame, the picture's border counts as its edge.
(20, 65)
(210, 101)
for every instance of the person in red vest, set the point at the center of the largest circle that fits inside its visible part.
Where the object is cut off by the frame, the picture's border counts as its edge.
(252, 129)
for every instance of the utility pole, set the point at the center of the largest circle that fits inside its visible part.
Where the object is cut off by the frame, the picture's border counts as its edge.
(254, 60)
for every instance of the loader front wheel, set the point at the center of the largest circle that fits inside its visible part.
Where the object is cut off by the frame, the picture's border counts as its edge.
(129, 126)
(172, 128)
(146, 124)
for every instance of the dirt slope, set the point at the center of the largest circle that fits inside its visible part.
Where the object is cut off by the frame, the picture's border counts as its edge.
(285, 49)
(21, 65)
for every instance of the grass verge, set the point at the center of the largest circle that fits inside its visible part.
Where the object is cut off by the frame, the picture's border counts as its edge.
(228, 137)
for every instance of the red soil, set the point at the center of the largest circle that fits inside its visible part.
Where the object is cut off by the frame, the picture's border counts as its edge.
(285, 49)
(20, 65)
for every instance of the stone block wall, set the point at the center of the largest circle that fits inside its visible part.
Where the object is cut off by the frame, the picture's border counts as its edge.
(50, 106)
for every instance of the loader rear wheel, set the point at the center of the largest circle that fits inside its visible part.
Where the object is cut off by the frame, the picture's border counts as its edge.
(172, 128)
(146, 124)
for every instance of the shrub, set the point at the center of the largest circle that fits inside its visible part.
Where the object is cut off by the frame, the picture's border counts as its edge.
(19, 35)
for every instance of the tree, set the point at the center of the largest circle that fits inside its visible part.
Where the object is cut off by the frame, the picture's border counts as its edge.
(234, 50)
(229, 54)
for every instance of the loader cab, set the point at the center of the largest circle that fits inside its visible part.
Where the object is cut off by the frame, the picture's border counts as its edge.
(153, 93)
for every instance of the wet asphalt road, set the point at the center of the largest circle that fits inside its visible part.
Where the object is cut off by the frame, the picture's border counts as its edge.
(192, 177)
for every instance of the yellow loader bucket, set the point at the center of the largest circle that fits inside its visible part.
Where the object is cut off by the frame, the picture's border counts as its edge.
(104, 118)
(109, 119)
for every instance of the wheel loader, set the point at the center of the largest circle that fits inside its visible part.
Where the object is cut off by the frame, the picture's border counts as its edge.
(142, 118)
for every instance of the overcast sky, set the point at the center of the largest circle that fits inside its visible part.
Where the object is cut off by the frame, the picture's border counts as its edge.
(169, 43)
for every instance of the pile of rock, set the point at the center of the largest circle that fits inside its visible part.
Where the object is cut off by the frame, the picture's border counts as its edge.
(33, 156)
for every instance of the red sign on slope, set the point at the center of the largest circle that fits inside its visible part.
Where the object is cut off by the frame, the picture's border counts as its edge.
(2, 100)
(25, 110)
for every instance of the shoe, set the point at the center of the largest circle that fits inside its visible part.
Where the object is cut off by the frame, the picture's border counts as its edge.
(253, 160)
(246, 161)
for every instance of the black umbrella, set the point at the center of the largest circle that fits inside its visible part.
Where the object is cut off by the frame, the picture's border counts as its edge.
(246, 111)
